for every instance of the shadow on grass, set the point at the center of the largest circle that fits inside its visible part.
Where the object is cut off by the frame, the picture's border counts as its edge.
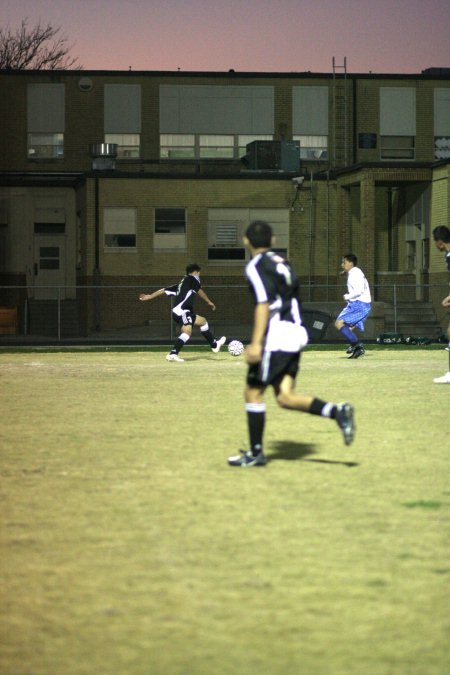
(290, 450)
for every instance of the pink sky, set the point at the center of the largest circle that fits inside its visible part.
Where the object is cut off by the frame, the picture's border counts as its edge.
(382, 36)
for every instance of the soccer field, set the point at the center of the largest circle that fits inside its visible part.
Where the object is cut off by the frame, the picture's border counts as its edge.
(129, 545)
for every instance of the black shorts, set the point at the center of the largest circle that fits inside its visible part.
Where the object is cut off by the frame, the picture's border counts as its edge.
(185, 319)
(273, 367)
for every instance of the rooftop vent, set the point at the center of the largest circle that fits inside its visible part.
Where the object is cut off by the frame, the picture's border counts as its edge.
(103, 156)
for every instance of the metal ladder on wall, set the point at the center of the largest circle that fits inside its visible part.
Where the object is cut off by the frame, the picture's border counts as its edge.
(340, 115)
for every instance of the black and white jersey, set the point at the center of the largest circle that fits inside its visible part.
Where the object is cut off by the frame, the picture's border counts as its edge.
(184, 293)
(447, 259)
(272, 280)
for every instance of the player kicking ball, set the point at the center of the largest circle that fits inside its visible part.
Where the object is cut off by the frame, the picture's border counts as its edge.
(273, 355)
(183, 313)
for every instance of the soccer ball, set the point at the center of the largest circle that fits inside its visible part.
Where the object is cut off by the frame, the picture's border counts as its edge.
(235, 348)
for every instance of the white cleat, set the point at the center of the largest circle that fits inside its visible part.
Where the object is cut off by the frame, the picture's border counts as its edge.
(445, 379)
(219, 344)
(174, 357)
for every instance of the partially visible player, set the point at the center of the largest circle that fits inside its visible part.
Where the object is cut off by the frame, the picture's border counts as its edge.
(183, 311)
(441, 236)
(273, 354)
(358, 305)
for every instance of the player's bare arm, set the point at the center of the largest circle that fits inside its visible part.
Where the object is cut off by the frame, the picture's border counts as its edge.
(253, 352)
(204, 297)
(151, 296)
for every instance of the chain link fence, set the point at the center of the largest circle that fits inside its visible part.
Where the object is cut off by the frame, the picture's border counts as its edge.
(115, 311)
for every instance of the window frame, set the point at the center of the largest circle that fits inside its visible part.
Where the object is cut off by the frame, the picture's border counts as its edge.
(119, 247)
(172, 239)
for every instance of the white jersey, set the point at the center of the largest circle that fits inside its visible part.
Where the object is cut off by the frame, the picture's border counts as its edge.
(358, 286)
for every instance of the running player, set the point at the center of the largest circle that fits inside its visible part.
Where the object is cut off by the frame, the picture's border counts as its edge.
(441, 236)
(358, 305)
(183, 311)
(273, 354)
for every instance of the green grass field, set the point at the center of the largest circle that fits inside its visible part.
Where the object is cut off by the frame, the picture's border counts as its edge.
(129, 546)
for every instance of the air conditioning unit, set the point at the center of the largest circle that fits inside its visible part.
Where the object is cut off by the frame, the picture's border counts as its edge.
(103, 156)
(273, 156)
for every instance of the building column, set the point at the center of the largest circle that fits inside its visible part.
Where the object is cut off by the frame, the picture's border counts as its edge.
(344, 219)
(367, 220)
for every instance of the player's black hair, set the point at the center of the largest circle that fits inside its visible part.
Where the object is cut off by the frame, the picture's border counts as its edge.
(441, 233)
(259, 233)
(192, 267)
(351, 257)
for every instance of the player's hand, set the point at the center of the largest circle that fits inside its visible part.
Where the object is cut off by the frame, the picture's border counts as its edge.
(213, 307)
(253, 353)
(347, 296)
(446, 301)
(143, 296)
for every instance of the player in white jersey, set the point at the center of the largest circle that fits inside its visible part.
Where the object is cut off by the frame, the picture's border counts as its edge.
(273, 354)
(358, 306)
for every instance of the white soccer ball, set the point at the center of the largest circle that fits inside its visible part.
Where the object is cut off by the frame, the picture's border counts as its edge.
(235, 348)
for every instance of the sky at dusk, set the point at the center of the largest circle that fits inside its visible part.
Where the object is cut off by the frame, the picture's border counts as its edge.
(381, 36)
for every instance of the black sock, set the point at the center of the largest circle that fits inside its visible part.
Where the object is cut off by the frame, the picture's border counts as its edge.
(317, 408)
(209, 337)
(177, 346)
(256, 422)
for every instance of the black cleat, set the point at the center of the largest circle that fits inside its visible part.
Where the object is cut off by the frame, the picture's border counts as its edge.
(345, 421)
(357, 352)
(247, 459)
(350, 349)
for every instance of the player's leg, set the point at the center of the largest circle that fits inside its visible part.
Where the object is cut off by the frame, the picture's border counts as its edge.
(183, 337)
(207, 334)
(256, 417)
(445, 379)
(347, 332)
(342, 412)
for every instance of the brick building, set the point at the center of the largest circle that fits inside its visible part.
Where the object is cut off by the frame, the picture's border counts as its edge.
(118, 179)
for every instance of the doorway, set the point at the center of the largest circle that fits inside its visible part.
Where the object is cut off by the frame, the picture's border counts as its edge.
(49, 269)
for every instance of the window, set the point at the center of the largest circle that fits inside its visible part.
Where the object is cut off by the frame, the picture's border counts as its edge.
(45, 146)
(216, 147)
(49, 257)
(397, 147)
(310, 121)
(226, 228)
(45, 121)
(207, 146)
(119, 228)
(128, 144)
(397, 122)
(122, 118)
(170, 229)
(441, 123)
(313, 147)
(177, 146)
(213, 121)
(49, 220)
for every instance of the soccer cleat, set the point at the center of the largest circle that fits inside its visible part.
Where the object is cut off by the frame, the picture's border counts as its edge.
(447, 348)
(174, 357)
(350, 349)
(247, 459)
(345, 421)
(219, 344)
(358, 351)
(445, 379)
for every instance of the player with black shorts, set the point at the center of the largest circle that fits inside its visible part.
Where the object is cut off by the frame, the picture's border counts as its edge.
(183, 312)
(441, 236)
(273, 355)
